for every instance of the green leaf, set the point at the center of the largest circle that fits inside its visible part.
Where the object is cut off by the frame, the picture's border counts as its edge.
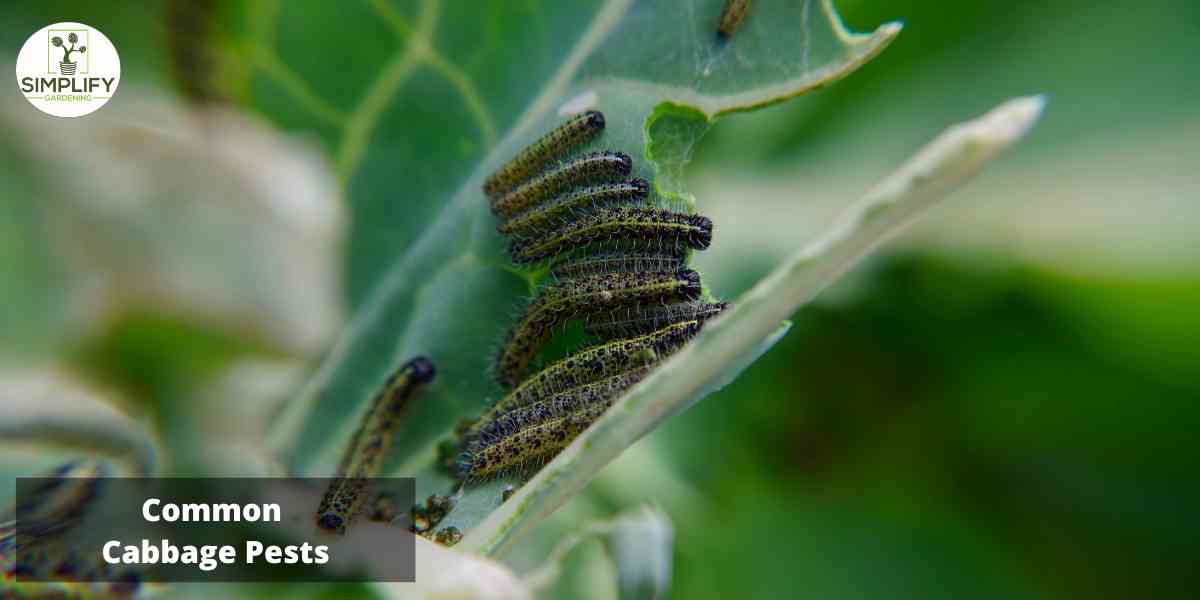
(419, 93)
(451, 295)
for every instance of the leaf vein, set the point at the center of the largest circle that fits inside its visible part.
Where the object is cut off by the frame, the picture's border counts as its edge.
(471, 97)
(398, 70)
(295, 85)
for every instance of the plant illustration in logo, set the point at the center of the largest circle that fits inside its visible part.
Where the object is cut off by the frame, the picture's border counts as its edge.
(67, 66)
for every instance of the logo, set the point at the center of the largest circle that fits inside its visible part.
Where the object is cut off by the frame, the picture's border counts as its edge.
(68, 70)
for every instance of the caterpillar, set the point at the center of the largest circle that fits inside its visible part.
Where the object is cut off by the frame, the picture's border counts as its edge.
(558, 405)
(555, 143)
(644, 227)
(732, 15)
(39, 549)
(589, 168)
(639, 320)
(618, 264)
(534, 220)
(525, 448)
(365, 453)
(60, 500)
(592, 364)
(573, 298)
(525, 437)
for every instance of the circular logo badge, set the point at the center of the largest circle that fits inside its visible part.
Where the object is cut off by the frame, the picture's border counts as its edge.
(68, 70)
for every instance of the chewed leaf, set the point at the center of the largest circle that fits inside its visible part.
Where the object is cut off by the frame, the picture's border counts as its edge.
(721, 348)
(782, 49)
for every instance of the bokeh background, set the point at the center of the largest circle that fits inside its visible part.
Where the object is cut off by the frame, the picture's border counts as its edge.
(1002, 403)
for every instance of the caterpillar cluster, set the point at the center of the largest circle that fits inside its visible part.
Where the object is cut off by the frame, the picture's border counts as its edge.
(618, 265)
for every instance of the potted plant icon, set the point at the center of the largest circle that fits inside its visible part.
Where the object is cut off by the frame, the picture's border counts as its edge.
(67, 66)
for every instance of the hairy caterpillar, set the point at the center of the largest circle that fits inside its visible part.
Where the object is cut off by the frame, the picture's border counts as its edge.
(555, 143)
(592, 364)
(639, 320)
(618, 262)
(527, 436)
(558, 405)
(732, 15)
(589, 168)
(60, 500)
(57, 505)
(364, 456)
(649, 227)
(527, 447)
(565, 300)
(538, 218)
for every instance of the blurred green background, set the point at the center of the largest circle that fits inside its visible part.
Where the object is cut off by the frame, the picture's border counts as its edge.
(1005, 404)
(1002, 404)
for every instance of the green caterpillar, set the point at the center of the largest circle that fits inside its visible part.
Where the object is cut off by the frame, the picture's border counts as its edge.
(560, 404)
(618, 262)
(639, 320)
(566, 300)
(528, 436)
(555, 143)
(589, 365)
(534, 220)
(653, 228)
(40, 549)
(589, 168)
(364, 456)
